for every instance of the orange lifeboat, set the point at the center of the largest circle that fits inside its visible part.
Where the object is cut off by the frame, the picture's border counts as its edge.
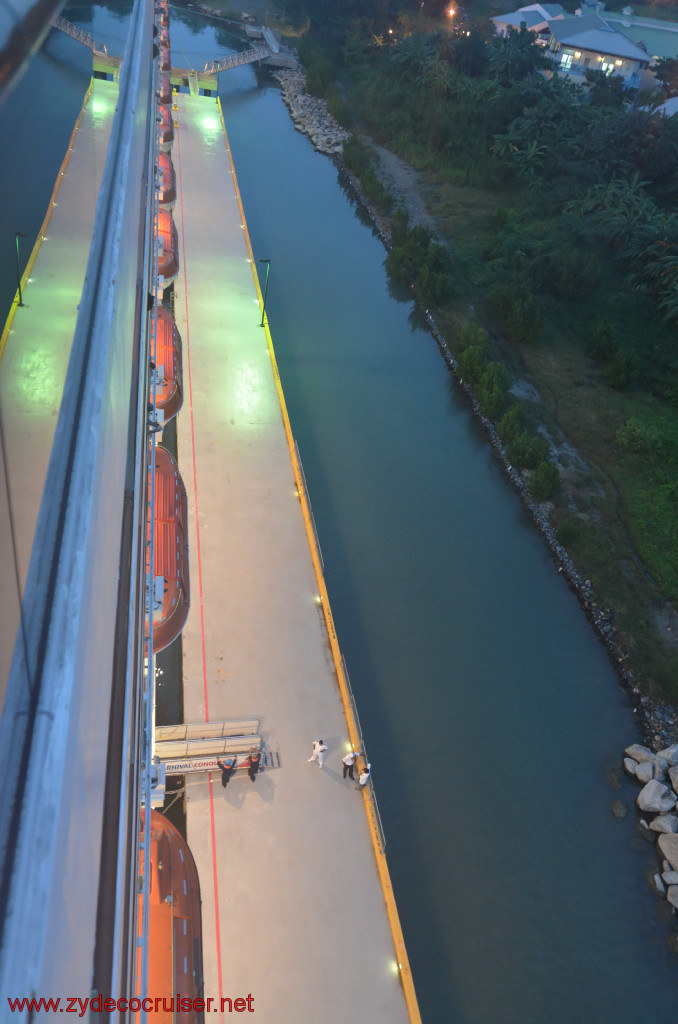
(168, 257)
(164, 89)
(165, 128)
(175, 929)
(169, 388)
(164, 58)
(171, 589)
(163, 36)
(168, 182)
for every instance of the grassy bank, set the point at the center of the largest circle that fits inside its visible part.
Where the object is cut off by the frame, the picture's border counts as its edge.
(535, 280)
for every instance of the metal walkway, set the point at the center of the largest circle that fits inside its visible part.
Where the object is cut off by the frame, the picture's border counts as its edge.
(258, 52)
(80, 35)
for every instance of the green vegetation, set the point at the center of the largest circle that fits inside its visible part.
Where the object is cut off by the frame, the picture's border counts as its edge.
(556, 202)
(420, 263)
(359, 160)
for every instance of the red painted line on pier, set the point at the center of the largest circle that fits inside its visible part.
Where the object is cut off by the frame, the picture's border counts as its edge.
(215, 881)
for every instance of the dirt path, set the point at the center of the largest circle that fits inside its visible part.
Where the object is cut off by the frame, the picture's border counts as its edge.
(406, 184)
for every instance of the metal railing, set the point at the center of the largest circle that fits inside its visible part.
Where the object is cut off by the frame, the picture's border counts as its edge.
(372, 799)
(308, 505)
(235, 60)
(372, 796)
(80, 35)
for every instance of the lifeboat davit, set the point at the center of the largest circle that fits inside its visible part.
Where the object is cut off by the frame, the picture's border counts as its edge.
(164, 89)
(171, 589)
(175, 928)
(167, 182)
(169, 387)
(168, 256)
(165, 128)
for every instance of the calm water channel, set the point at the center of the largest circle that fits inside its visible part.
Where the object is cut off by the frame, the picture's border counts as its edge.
(490, 712)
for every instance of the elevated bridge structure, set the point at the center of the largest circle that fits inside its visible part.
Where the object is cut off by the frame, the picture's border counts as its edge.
(80, 35)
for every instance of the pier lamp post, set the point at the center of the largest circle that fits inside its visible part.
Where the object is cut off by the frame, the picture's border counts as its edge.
(17, 236)
(263, 308)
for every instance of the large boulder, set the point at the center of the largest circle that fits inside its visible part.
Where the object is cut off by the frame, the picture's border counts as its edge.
(673, 776)
(656, 798)
(669, 753)
(665, 823)
(668, 847)
(670, 878)
(640, 753)
(658, 885)
(661, 766)
(672, 895)
(630, 766)
(644, 771)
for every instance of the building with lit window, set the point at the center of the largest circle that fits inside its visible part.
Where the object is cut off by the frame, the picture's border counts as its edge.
(586, 43)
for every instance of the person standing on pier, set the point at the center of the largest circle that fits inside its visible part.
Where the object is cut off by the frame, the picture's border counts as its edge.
(348, 763)
(319, 748)
(227, 767)
(364, 777)
(253, 764)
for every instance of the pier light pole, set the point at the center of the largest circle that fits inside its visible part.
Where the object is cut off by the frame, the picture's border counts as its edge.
(17, 236)
(263, 308)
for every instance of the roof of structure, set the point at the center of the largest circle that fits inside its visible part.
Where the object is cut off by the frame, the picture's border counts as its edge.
(593, 33)
(517, 18)
(660, 38)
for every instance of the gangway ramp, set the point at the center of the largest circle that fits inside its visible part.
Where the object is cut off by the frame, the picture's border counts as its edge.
(270, 38)
(259, 52)
(80, 36)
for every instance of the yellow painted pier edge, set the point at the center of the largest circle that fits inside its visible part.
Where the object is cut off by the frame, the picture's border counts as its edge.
(43, 228)
(382, 867)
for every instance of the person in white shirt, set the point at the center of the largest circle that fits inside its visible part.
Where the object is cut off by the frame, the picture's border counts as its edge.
(319, 749)
(348, 763)
(364, 776)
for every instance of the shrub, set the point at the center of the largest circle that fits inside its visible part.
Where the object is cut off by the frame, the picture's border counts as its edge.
(338, 107)
(472, 364)
(355, 155)
(602, 344)
(638, 437)
(517, 309)
(433, 287)
(416, 260)
(492, 389)
(511, 424)
(527, 451)
(567, 272)
(545, 481)
(470, 334)
(621, 371)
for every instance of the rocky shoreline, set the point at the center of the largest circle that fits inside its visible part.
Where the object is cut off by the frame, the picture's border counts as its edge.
(658, 773)
(657, 721)
(310, 113)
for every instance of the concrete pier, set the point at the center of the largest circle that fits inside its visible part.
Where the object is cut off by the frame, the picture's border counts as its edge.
(294, 900)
